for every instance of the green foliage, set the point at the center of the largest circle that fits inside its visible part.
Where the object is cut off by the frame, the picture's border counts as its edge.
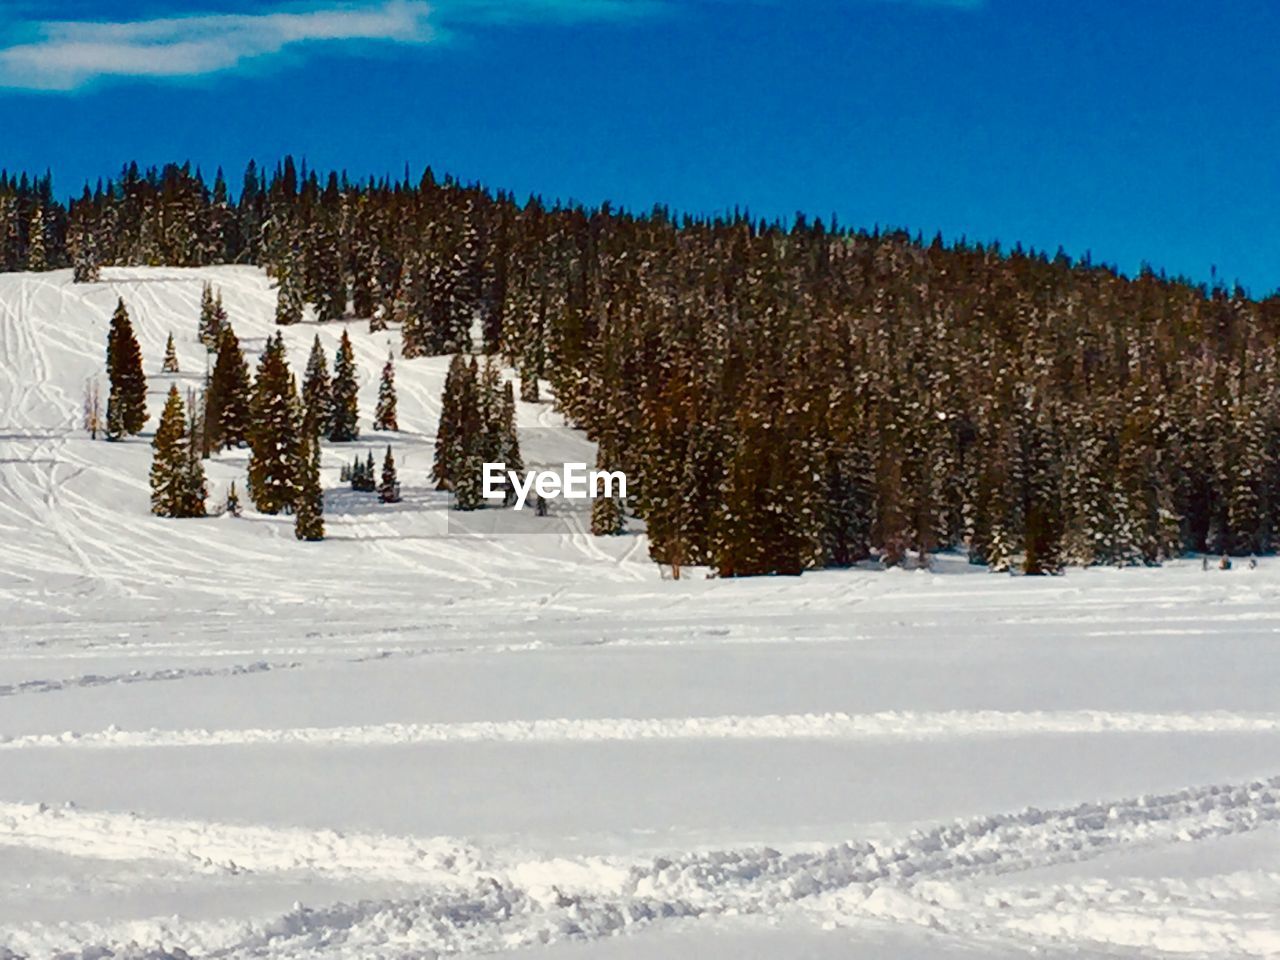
(308, 508)
(228, 402)
(274, 461)
(781, 395)
(384, 417)
(128, 397)
(177, 472)
(170, 364)
(212, 318)
(389, 486)
(317, 391)
(344, 424)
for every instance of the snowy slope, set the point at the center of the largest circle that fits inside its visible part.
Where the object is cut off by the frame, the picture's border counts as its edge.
(216, 739)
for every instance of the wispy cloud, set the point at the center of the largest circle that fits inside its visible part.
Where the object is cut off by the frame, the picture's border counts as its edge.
(64, 55)
(68, 54)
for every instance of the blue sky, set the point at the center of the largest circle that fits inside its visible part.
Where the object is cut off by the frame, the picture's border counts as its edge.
(1138, 131)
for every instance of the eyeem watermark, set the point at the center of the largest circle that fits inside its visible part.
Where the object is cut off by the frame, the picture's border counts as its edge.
(574, 482)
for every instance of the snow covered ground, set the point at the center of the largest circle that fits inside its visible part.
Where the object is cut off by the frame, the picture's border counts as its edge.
(216, 741)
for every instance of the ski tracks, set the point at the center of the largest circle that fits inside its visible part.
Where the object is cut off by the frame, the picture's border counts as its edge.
(466, 901)
(884, 726)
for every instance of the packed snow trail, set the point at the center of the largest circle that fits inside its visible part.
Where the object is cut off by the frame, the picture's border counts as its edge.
(897, 725)
(481, 904)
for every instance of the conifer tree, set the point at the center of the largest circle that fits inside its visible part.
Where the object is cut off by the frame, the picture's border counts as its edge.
(289, 301)
(273, 437)
(309, 506)
(177, 477)
(317, 391)
(448, 432)
(170, 364)
(37, 257)
(228, 401)
(86, 267)
(128, 397)
(330, 285)
(115, 427)
(468, 488)
(509, 447)
(607, 518)
(194, 490)
(384, 417)
(846, 535)
(1042, 507)
(211, 318)
(219, 312)
(408, 309)
(529, 372)
(389, 488)
(345, 423)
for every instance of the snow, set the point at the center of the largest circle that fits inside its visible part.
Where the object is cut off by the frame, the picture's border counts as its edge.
(401, 742)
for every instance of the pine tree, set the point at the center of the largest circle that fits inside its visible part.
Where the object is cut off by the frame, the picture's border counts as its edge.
(345, 424)
(170, 364)
(173, 481)
(228, 402)
(317, 391)
(124, 369)
(468, 485)
(274, 460)
(219, 313)
(37, 257)
(509, 447)
(389, 488)
(846, 535)
(289, 302)
(330, 285)
(449, 443)
(309, 506)
(1042, 505)
(530, 368)
(211, 318)
(607, 518)
(194, 490)
(86, 267)
(115, 428)
(384, 417)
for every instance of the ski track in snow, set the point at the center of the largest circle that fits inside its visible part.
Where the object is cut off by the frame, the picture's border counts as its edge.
(469, 902)
(886, 725)
(139, 676)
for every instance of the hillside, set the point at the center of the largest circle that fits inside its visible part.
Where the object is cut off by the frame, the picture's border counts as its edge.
(77, 512)
(216, 741)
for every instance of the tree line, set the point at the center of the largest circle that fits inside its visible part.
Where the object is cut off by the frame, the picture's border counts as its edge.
(783, 395)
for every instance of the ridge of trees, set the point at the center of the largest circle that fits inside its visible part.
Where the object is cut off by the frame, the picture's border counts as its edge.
(783, 395)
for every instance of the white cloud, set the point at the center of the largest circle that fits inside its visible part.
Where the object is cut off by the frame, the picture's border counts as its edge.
(66, 55)
(524, 11)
